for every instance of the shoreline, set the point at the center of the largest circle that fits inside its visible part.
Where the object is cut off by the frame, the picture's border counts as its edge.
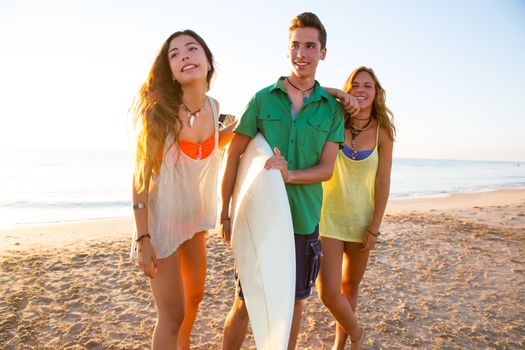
(59, 234)
(414, 198)
(53, 235)
(456, 200)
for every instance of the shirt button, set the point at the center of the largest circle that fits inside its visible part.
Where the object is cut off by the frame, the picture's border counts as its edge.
(291, 141)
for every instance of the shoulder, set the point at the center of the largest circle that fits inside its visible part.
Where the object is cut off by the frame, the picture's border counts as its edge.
(329, 98)
(330, 101)
(264, 92)
(384, 136)
(264, 97)
(338, 107)
(325, 95)
(271, 89)
(215, 103)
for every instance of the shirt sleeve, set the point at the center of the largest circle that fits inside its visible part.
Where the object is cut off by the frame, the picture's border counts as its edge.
(248, 123)
(337, 129)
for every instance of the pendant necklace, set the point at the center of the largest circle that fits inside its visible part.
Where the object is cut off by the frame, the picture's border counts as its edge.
(193, 115)
(303, 91)
(355, 132)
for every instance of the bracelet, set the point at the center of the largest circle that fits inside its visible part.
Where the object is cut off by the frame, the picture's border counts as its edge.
(225, 219)
(139, 205)
(139, 240)
(373, 234)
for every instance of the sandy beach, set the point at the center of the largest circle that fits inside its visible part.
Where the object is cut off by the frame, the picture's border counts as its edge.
(448, 273)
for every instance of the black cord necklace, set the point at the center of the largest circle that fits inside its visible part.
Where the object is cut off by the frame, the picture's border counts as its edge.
(303, 91)
(355, 132)
(193, 115)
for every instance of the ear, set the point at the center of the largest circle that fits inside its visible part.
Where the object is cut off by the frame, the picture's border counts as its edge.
(323, 53)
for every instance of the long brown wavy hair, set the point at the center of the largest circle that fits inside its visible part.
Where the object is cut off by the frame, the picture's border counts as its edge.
(156, 109)
(380, 111)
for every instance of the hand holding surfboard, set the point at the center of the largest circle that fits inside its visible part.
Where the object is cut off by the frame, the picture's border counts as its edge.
(278, 162)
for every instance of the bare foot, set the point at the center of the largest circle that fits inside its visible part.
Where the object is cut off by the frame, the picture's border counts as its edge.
(358, 343)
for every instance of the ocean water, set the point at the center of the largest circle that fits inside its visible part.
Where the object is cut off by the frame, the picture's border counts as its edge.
(49, 186)
(431, 177)
(42, 186)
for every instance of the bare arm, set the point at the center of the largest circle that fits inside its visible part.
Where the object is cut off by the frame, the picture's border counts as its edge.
(349, 102)
(141, 215)
(236, 149)
(322, 171)
(226, 134)
(334, 92)
(381, 186)
(146, 257)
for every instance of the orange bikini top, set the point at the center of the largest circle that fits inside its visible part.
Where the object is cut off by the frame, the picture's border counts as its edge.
(198, 150)
(194, 150)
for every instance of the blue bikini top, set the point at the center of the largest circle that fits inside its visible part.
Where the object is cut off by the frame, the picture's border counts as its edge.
(360, 155)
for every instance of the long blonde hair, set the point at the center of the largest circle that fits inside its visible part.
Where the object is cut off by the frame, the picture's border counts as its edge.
(380, 111)
(156, 110)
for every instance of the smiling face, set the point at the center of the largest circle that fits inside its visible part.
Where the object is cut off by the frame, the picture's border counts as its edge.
(364, 90)
(304, 51)
(187, 59)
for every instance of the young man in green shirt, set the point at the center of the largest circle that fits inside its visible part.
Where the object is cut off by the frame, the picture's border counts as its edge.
(304, 126)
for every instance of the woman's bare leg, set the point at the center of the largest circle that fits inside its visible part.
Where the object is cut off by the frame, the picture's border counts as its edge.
(354, 266)
(193, 271)
(329, 286)
(168, 293)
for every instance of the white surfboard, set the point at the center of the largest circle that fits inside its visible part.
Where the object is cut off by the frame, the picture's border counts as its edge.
(263, 246)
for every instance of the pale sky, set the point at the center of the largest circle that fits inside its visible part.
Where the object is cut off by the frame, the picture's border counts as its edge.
(453, 70)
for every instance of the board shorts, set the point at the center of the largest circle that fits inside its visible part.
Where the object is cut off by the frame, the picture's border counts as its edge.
(307, 264)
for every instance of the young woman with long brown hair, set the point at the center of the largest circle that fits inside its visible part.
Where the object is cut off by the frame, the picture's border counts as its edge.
(354, 200)
(175, 193)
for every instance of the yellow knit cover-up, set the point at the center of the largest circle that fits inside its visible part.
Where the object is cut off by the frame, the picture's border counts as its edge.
(348, 197)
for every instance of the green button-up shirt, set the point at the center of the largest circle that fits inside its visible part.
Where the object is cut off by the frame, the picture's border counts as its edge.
(300, 139)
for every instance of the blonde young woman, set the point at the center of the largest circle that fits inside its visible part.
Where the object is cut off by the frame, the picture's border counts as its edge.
(175, 182)
(355, 199)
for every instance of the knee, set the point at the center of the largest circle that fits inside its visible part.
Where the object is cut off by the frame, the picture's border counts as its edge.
(329, 295)
(195, 298)
(350, 287)
(172, 317)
